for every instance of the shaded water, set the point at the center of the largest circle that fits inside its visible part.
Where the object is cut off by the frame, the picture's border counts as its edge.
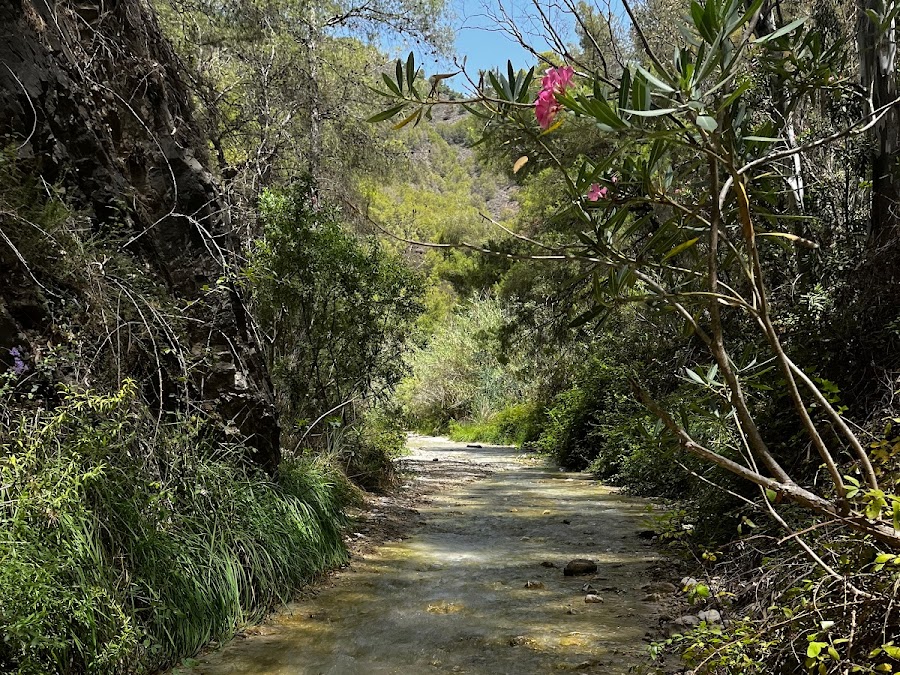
(452, 598)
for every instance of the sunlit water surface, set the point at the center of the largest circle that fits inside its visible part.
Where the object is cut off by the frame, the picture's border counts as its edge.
(452, 598)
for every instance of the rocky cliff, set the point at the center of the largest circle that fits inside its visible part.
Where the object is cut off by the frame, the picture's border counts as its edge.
(107, 207)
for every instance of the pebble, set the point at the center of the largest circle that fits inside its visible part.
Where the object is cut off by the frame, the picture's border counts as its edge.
(590, 597)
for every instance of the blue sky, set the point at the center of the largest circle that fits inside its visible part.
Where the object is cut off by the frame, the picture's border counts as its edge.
(480, 39)
(483, 42)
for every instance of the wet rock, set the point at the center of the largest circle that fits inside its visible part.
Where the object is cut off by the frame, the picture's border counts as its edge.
(661, 587)
(566, 522)
(687, 621)
(570, 610)
(710, 616)
(531, 583)
(473, 445)
(580, 566)
(651, 597)
(587, 588)
(592, 598)
(520, 641)
(646, 534)
(435, 459)
(547, 563)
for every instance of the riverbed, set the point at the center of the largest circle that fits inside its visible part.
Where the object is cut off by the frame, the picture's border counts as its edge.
(474, 582)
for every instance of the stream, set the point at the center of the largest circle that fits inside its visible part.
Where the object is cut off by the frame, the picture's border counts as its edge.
(476, 584)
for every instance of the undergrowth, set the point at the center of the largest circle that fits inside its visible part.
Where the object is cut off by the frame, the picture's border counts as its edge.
(513, 425)
(126, 544)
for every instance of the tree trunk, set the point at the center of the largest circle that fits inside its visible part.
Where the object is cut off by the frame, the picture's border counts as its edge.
(877, 58)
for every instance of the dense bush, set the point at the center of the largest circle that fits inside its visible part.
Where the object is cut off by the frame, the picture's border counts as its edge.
(515, 424)
(125, 544)
(463, 373)
(337, 309)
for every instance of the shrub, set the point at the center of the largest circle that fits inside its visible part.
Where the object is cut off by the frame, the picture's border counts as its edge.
(125, 545)
(515, 424)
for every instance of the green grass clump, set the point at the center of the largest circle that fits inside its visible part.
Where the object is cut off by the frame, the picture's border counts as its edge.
(124, 547)
(513, 425)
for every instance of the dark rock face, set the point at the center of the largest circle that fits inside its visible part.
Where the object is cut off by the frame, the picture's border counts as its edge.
(91, 101)
(580, 566)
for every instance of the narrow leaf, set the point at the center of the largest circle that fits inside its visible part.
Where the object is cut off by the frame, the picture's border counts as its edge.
(681, 247)
(784, 30)
(386, 114)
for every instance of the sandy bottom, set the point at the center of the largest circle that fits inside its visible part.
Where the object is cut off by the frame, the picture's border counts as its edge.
(453, 596)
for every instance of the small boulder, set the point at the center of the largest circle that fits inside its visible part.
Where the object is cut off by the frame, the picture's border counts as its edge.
(580, 566)
(687, 621)
(710, 616)
(547, 563)
(592, 598)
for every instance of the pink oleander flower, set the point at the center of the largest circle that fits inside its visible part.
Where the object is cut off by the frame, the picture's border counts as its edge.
(596, 192)
(556, 81)
(545, 108)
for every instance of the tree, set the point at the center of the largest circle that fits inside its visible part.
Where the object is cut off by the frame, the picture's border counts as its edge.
(685, 217)
(335, 311)
(281, 84)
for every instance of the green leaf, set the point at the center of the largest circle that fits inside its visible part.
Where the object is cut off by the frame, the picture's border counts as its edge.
(873, 510)
(652, 79)
(391, 84)
(771, 495)
(386, 114)
(410, 71)
(815, 648)
(784, 30)
(624, 89)
(659, 112)
(694, 376)
(681, 247)
(399, 73)
(707, 123)
(892, 651)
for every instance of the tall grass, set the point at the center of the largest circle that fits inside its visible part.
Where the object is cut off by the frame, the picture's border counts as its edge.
(124, 548)
(513, 425)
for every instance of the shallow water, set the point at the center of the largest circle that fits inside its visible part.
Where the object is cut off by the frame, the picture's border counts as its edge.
(452, 597)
